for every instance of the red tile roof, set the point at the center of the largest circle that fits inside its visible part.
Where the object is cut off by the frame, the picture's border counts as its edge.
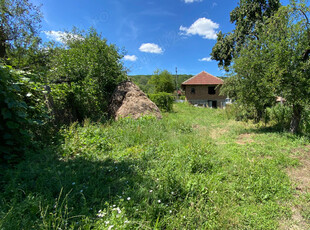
(203, 78)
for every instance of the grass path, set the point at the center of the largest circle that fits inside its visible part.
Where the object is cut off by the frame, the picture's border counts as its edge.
(194, 169)
(272, 146)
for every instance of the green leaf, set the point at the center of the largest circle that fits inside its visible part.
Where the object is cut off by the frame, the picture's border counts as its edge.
(26, 79)
(12, 125)
(7, 136)
(6, 114)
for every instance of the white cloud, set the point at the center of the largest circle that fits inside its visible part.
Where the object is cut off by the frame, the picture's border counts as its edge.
(60, 36)
(150, 48)
(214, 4)
(203, 27)
(130, 58)
(191, 1)
(205, 59)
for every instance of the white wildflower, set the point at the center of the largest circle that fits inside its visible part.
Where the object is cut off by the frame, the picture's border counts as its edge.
(101, 214)
(117, 209)
(170, 211)
(128, 198)
(159, 201)
(151, 190)
(110, 227)
(126, 222)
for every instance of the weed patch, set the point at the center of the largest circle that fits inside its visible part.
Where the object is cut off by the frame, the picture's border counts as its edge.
(145, 174)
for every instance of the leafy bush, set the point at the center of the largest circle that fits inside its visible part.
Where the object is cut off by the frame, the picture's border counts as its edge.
(280, 115)
(239, 112)
(164, 101)
(83, 75)
(22, 111)
(305, 122)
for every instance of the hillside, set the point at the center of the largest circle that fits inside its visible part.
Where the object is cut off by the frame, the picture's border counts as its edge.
(142, 80)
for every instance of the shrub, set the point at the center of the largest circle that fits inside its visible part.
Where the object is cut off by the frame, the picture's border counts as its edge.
(280, 115)
(22, 111)
(164, 101)
(83, 75)
(305, 122)
(239, 112)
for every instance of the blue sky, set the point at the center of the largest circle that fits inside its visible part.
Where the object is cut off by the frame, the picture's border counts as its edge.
(156, 34)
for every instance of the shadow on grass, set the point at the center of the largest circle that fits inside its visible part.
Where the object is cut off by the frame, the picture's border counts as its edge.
(43, 180)
(276, 129)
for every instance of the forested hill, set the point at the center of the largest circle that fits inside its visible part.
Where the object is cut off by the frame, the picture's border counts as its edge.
(142, 80)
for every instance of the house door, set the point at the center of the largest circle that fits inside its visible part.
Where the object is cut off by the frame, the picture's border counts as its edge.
(214, 104)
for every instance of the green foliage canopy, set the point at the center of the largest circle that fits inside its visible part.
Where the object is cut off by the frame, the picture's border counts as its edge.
(276, 64)
(162, 81)
(86, 70)
(246, 16)
(19, 23)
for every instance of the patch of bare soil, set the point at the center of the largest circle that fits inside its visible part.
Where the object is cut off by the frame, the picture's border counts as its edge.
(216, 133)
(301, 174)
(296, 223)
(301, 177)
(199, 127)
(245, 138)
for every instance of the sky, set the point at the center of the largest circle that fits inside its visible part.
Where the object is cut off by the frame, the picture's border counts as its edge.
(155, 34)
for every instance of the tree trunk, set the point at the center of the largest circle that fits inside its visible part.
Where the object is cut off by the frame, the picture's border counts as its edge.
(2, 49)
(296, 117)
(2, 42)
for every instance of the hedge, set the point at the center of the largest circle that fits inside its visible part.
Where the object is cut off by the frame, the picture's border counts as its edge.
(164, 101)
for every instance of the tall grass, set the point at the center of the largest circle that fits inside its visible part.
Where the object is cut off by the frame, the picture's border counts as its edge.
(148, 173)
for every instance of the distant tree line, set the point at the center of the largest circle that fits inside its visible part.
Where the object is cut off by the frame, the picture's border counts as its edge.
(143, 81)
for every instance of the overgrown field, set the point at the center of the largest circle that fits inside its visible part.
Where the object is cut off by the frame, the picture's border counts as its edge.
(194, 169)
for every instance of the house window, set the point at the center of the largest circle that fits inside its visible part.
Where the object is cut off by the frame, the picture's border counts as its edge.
(211, 90)
(193, 90)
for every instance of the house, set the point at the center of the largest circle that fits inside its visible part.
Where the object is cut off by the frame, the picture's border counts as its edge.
(204, 89)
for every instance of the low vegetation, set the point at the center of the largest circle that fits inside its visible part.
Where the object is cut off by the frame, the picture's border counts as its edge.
(164, 101)
(194, 169)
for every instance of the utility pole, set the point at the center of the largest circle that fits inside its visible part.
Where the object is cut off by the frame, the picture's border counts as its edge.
(176, 78)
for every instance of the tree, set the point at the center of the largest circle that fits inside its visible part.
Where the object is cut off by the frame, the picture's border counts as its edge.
(246, 16)
(86, 70)
(278, 62)
(19, 23)
(287, 40)
(162, 81)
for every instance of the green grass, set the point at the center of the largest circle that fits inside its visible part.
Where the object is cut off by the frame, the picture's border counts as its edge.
(194, 169)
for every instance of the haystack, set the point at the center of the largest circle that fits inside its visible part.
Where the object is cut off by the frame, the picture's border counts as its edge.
(129, 100)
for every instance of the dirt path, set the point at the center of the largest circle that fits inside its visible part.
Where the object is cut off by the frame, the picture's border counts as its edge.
(301, 179)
